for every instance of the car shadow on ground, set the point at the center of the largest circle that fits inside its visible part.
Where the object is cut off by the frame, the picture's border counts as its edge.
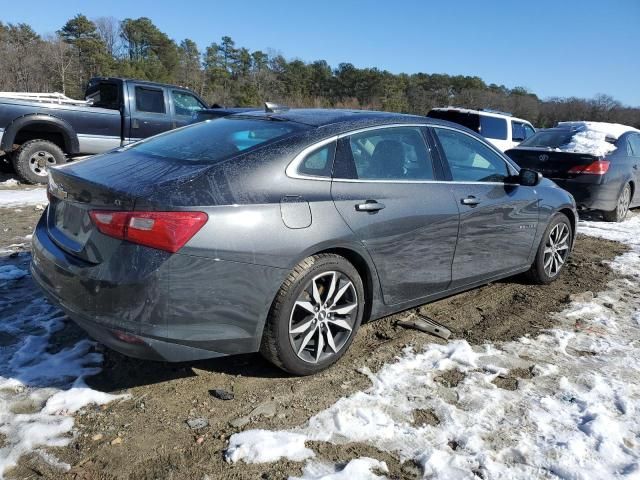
(6, 169)
(120, 372)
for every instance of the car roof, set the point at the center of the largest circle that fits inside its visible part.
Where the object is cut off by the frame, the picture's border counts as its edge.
(320, 117)
(142, 82)
(486, 112)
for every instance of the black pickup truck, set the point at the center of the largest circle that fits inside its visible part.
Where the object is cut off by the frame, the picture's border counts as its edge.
(40, 130)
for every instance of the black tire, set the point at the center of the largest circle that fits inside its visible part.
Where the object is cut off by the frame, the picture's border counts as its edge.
(32, 159)
(619, 213)
(277, 340)
(539, 273)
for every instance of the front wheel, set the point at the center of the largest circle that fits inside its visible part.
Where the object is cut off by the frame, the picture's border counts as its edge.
(315, 315)
(622, 207)
(553, 250)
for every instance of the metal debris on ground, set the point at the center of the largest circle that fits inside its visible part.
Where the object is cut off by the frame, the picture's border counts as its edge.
(425, 324)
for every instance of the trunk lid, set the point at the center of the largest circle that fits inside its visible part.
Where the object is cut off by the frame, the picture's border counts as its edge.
(114, 181)
(552, 164)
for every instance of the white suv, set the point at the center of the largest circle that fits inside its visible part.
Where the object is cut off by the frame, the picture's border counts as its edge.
(501, 129)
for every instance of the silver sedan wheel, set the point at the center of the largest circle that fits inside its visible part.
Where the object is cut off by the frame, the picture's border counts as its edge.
(556, 249)
(323, 317)
(40, 162)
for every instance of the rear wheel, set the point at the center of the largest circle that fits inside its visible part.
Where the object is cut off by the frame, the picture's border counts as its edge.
(622, 208)
(33, 159)
(553, 250)
(315, 315)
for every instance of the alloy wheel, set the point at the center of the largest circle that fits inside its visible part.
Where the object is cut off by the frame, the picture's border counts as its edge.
(323, 316)
(40, 162)
(624, 202)
(556, 249)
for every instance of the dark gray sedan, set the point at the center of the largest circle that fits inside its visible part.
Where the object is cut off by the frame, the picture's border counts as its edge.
(282, 231)
(598, 182)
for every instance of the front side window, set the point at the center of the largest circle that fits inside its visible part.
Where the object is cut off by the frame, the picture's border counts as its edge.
(185, 103)
(493, 127)
(149, 100)
(528, 131)
(517, 131)
(397, 153)
(318, 163)
(470, 160)
(211, 142)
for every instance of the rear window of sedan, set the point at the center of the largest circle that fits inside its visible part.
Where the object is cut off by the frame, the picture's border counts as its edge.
(549, 139)
(215, 140)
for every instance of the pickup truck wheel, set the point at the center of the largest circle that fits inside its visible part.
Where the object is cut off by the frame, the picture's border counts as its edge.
(33, 159)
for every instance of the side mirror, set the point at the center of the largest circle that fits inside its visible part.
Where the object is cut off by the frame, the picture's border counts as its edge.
(529, 178)
(518, 139)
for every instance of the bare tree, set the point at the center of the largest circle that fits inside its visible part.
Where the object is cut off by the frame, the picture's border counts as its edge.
(109, 31)
(62, 59)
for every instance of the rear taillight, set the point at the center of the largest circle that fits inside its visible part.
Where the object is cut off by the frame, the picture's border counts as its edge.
(599, 167)
(167, 231)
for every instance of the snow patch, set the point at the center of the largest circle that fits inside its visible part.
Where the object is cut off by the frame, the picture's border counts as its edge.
(40, 386)
(11, 272)
(591, 137)
(272, 446)
(577, 418)
(360, 469)
(16, 198)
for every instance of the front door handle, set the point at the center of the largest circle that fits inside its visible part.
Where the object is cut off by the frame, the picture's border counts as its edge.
(471, 201)
(370, 206)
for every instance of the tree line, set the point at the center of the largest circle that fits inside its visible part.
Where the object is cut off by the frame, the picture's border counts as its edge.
(227, 74)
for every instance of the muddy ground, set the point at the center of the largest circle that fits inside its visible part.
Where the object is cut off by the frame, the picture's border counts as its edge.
(147, 436)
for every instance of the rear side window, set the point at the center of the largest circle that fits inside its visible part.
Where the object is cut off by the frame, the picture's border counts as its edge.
(319, 162)
(398, 153)
(634, 142)
(149, 100)
(470, 160)
(216, 140)
(493, 127)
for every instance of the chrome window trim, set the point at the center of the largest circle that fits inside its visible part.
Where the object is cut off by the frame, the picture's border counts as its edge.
(292, 169)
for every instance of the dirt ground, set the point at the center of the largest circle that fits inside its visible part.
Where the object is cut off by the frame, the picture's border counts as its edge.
(147, 436)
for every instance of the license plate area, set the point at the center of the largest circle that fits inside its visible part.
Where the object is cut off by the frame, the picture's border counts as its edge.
(69, 225)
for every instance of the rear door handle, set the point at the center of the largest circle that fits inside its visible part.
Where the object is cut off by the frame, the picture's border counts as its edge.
(370, 206)
(471, 201)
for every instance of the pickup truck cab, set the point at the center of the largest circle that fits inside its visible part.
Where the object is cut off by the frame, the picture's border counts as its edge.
(41, 130)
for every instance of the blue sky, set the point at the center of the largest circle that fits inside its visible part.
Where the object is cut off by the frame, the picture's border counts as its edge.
(553, 48)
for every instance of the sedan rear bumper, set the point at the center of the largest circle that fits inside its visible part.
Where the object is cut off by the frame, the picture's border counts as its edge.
(180, 308)
(591, 196)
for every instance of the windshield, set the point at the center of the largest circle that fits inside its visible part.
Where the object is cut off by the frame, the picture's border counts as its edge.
(216, 140)
(549, 139)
